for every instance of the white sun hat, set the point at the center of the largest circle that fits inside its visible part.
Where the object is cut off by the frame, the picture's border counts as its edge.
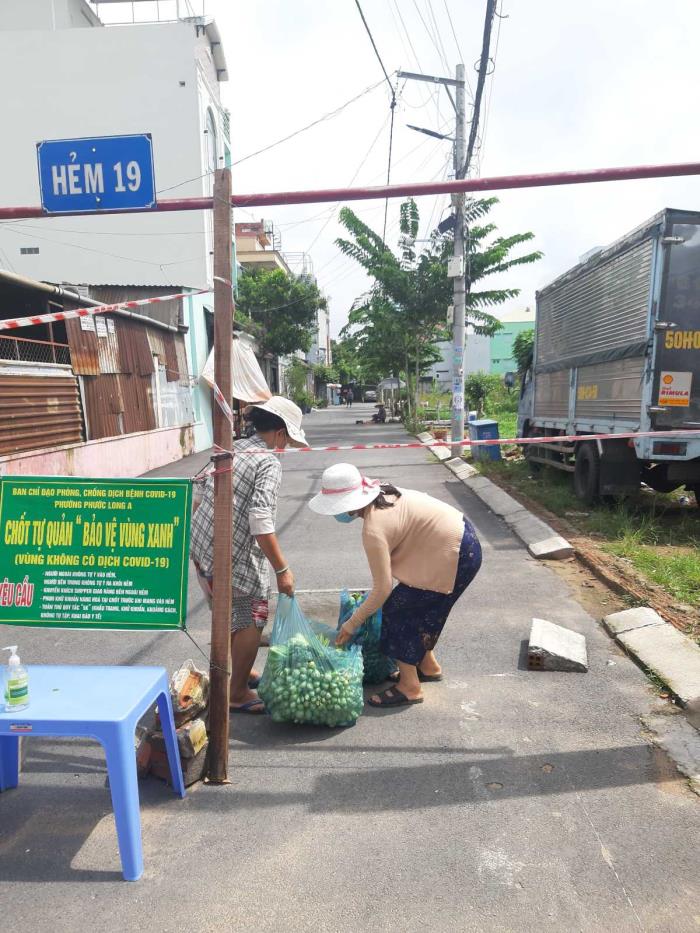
(344, 489)
(290, 413)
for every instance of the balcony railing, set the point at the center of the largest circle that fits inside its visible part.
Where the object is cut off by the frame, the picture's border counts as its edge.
(22, 350)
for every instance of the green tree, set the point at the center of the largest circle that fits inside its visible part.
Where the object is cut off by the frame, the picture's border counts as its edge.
(477, 388)
(283, 306)
(523, 349)
(398, 322)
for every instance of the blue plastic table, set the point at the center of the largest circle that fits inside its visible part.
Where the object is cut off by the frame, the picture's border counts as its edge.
(103, 703)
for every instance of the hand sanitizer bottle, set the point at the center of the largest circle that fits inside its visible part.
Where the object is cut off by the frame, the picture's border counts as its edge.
(16, 683)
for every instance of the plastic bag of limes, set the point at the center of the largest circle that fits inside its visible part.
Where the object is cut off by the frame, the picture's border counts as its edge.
(376, 666)
(306, 678)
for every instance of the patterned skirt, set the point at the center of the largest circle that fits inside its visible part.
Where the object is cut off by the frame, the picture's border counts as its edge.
(413, 619)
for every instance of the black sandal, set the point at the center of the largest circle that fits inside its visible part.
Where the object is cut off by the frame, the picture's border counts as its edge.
(393, 697)
(423, 678)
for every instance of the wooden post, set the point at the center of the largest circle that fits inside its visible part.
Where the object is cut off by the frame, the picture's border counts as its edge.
(223, 486)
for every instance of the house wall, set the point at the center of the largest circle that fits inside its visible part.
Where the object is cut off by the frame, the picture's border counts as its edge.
(476, 359)
(110, 457)
(198, 345)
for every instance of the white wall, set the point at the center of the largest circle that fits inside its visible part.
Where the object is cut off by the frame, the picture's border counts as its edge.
(46, 14)
(107, 81)
(477, 358)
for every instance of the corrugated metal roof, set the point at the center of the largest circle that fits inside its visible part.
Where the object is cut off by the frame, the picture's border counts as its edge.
(82, 340)
(182, 366)
(107, 344)
(139, 410)
(104, 406)
(166, 312)
(38, 410)
(156, 341)
(134, 350)
(171, 360)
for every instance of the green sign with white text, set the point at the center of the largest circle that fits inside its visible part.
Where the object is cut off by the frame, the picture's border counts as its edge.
(94, 554)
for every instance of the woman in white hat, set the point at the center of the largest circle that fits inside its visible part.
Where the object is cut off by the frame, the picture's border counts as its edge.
(256, 482)
(425, 544)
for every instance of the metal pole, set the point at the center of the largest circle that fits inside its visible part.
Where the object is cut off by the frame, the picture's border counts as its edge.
(457, 432)
(409, 189)
(223, 486)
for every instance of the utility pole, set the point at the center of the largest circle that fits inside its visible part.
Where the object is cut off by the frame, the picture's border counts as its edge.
(220, 665)
(457, 263)
(459, 286)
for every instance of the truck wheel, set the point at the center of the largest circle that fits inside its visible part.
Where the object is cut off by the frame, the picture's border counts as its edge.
(587, 473)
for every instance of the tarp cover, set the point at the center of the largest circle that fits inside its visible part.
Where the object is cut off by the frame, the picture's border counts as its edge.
(247, 380)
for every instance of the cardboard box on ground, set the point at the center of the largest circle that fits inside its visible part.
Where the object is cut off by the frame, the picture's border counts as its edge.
(189, 691)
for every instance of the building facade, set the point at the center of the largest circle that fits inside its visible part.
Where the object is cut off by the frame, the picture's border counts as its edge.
(81, 78)
(501, 344)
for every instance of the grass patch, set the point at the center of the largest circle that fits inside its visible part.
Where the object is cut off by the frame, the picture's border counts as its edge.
(507, 422)
(657, 536)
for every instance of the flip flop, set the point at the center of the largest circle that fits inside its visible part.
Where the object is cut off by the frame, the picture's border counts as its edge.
(398, 699)
(249, 708)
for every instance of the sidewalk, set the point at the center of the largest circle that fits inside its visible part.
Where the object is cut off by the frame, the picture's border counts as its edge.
(508, 801)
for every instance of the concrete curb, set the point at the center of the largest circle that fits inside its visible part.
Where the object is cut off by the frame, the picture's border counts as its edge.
(660, 648)
(541, 539)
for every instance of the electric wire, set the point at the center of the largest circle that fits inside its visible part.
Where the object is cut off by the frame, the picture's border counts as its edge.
(374, 46)
(284, 139)
(454, 36)
(437, 33)
(482, 141)
(481, 79)
(429, 34)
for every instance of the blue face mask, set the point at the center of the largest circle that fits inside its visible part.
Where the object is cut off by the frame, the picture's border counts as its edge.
(345, 518)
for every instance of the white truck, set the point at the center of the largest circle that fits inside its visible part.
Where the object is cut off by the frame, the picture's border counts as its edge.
(617, 349)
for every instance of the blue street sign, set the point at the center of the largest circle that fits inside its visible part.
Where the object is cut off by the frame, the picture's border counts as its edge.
(100, 173)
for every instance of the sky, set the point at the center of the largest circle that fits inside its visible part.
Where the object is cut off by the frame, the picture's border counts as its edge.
(575, 85)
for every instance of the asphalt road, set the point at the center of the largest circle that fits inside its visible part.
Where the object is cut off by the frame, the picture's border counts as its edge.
(508, 801)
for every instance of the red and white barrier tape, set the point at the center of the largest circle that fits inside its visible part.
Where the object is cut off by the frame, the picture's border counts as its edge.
(223, 404)
(49, 318)
(677, 434)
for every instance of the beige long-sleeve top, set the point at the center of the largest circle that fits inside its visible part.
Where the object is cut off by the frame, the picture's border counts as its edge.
(416, 542)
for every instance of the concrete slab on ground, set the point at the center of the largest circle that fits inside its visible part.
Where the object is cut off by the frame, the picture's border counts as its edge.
(554, 548)
(669, 653)
(627, 620)
(555, 648)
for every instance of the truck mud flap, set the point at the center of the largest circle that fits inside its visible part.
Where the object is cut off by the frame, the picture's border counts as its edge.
(620, 470)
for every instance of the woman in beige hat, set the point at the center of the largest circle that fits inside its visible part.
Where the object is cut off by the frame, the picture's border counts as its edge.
(425, 544)
(256, 483)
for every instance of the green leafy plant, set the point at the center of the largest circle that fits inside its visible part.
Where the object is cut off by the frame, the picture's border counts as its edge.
(283, 306)
(523, 348)
(397, 323)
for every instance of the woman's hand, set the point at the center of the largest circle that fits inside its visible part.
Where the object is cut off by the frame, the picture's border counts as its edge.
(285, 583)
(344, 635)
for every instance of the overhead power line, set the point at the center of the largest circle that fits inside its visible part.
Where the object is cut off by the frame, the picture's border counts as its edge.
(392, 105)
(284, 139)
(374, 46)
(500, 16)
(481, 80)
(454, 34)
